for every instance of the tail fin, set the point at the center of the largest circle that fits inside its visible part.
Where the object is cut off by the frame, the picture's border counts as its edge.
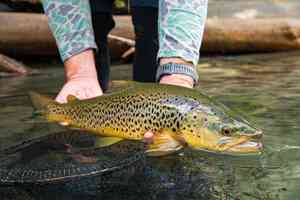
(40, 102)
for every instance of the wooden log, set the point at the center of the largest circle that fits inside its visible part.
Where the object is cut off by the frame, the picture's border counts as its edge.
(251, 35)
(26, 1)
(29, 34)
(26, 34)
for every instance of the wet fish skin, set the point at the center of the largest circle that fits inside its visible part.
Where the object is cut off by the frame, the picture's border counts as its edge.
(185, 115)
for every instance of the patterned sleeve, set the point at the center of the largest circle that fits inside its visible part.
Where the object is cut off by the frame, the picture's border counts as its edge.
(71, 24)
(181, 26)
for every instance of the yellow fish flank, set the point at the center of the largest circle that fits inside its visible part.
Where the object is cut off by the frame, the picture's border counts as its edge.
(177, 116)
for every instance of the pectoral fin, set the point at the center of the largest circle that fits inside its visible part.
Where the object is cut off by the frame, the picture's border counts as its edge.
(164, 143)
(106, 141)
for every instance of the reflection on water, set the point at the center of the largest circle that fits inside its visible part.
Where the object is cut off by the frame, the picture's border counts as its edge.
(263, 88)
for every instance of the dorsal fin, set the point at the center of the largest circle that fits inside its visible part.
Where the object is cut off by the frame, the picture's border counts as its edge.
(71, 98)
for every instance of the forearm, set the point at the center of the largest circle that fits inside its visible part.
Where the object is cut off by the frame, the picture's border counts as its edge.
(181, 27)
(71, 25)
(80, 66)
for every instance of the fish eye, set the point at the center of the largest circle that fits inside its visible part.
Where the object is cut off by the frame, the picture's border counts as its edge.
(226, 131)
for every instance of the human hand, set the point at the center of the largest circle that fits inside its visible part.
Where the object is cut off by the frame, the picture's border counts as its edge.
(81, 78)
(82, 88)
(148, 137)
(178, 80)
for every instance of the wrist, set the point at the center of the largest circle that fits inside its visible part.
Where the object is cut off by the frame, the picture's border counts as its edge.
(177, 79)
(80, 72)
(177, 72)
(80, 66)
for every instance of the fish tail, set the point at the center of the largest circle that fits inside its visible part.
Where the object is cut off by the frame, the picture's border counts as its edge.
(40, 103)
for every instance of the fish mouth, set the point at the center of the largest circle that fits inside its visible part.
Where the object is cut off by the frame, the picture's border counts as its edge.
(238, 147)
(246, 147)
(247, 143)
(243, 145)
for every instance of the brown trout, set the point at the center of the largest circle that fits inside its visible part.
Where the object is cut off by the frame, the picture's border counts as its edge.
(177, 116)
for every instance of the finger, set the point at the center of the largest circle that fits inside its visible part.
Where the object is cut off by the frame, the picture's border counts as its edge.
(94, 92)
(60, 98)
(85, 93)
(97, 91)
(148, 137)
(81, 94)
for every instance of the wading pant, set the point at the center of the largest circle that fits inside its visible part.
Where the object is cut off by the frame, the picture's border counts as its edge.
(180, 29)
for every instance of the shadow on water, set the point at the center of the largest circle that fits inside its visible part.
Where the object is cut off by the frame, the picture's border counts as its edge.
(264, 88)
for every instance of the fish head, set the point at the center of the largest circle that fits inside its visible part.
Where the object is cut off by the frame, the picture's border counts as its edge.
(217, 131)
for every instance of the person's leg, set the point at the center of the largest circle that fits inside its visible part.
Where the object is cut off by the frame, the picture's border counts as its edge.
(103, 23)
(71, 24)
(181, 26)
(145, 19)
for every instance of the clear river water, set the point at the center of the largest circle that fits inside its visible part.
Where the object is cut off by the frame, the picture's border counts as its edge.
(264, 88)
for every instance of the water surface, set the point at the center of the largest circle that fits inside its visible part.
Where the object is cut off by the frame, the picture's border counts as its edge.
(264, 88)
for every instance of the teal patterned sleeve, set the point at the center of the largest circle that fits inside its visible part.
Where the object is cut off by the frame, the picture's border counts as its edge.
(181, 26)
(71, 24)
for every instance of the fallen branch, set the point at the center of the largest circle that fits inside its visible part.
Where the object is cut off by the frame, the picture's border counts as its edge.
(127, 41)
(125, 46)
(128, 54)
(12, 66)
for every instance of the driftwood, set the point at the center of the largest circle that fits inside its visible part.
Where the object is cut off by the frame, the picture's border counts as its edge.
(29, 34)
(26, 1)
(13, 67)
(123, 9)
(25, 34)
(251, 35)
(124, 46)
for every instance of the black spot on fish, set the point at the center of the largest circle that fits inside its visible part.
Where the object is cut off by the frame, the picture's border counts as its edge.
(177, 124)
